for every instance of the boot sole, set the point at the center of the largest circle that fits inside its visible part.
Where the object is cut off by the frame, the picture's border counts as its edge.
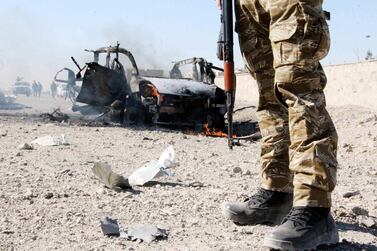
(325, 239)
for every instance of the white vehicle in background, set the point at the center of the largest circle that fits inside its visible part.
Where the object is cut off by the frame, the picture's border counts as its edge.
(21, 88)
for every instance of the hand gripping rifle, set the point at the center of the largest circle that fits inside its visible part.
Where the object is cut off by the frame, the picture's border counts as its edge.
(225, 53)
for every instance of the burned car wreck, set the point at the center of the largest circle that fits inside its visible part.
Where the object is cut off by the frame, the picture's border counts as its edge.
(141, 99)
(201, 70)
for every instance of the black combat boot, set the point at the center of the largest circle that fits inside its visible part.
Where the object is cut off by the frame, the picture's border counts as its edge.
(264, 207)
(305, 228)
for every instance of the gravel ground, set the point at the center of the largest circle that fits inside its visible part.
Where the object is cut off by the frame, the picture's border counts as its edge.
(50, 199)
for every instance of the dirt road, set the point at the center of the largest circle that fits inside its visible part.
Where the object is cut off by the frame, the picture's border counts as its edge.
(49, 198)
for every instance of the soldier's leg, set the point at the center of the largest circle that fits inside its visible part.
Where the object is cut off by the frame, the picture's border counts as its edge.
(300, 38)
(252, 26)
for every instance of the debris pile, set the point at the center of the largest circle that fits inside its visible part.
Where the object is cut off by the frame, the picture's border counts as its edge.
(8, 103)
(56, 116)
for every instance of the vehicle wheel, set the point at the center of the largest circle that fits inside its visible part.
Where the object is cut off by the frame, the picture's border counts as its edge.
(133, 116)
(215, 120)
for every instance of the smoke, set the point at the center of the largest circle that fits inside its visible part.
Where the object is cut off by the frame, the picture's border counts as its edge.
(28, 50)
(31, 49)
(147, 47)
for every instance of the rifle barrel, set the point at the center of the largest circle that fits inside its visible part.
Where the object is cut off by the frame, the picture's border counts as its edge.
(229, 77)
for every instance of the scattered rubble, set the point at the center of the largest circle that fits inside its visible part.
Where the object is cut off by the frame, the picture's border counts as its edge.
(48, 195)
(237, 169)
(56, 116)
(349, 148)
(186, 210)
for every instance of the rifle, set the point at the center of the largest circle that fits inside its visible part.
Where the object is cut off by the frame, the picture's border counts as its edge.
(225, 53)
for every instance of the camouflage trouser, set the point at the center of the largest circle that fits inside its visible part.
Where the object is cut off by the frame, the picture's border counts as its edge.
(282, 42)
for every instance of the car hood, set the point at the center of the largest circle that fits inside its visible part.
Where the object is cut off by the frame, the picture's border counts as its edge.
(182, 87)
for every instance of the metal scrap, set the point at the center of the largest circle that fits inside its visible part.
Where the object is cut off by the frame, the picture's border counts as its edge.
(8, 103)
(56, 116)
(111, 179)
(147, 233)
(110, 227)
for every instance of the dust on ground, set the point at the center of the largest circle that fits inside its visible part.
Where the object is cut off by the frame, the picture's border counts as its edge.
(50, 199)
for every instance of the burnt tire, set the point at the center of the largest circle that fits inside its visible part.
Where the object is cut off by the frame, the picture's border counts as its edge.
(133, 116)
(216, 120)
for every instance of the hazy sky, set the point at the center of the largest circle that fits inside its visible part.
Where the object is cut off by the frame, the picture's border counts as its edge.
(37, 37)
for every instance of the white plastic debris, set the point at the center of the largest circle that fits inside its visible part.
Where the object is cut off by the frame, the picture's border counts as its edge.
(51, 141)
(154, 169)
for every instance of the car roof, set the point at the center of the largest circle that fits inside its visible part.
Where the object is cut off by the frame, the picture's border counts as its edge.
(22, 83)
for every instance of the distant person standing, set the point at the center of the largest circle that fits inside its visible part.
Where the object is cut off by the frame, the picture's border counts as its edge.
(34, 88)
(53, 89)
(40, 89)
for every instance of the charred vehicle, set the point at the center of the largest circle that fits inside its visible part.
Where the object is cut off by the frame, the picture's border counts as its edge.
(164, 101)
(201, 70)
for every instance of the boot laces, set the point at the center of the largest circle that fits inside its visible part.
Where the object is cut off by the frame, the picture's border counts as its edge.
(260, 197)
(303, 217)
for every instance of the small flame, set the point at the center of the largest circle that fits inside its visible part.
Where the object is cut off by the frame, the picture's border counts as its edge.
(154, 91)
(213, 132)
